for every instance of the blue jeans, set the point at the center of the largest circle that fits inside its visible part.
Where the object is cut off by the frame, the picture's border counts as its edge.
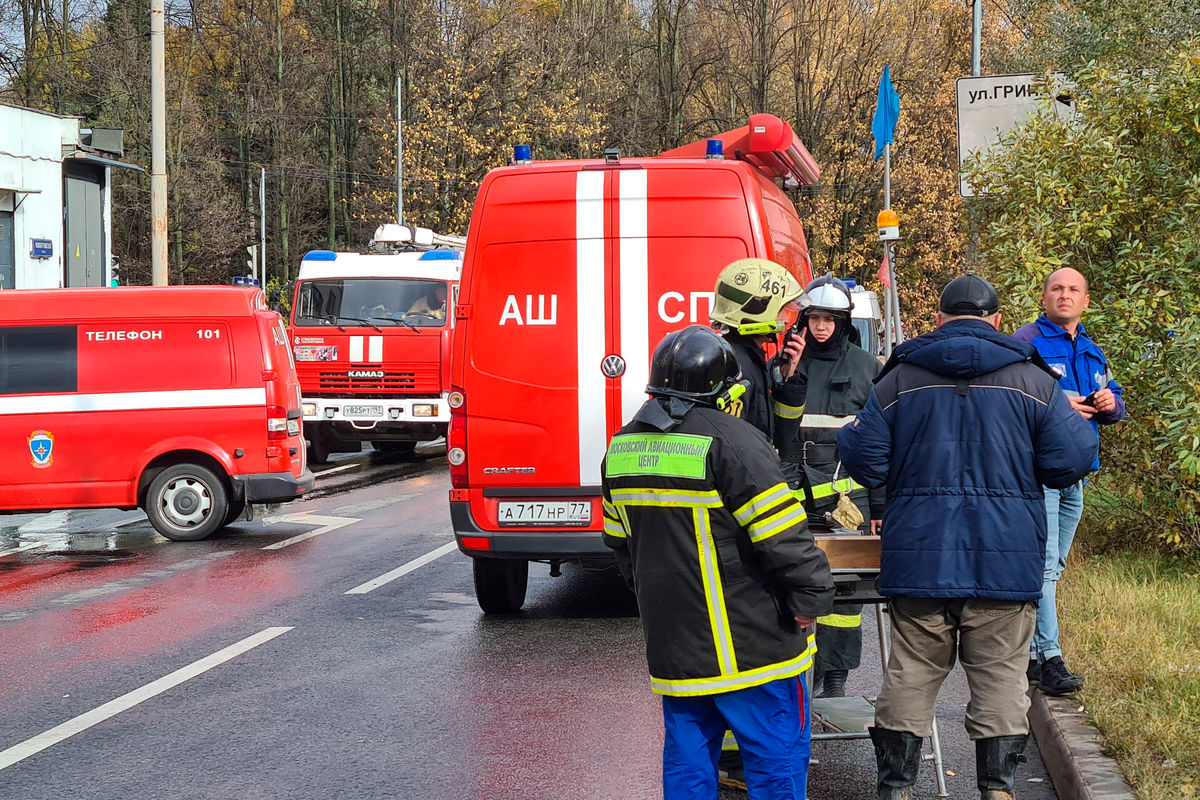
(1064, 507)
(773, 735)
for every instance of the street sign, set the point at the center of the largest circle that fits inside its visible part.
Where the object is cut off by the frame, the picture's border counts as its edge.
(991, 104)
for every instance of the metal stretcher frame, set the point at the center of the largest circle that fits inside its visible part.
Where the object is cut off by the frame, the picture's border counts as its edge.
(854, 562)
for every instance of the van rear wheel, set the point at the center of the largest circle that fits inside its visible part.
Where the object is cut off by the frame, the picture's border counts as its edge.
(187, 502)
(500, 584)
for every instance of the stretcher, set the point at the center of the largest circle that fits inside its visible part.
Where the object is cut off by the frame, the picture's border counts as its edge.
(854, 562)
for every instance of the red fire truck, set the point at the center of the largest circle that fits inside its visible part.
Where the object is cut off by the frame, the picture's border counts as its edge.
(574, 270)
(181, 400)
(371, 338)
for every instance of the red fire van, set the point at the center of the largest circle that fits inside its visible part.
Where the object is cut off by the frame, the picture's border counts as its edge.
(182, 401)
(573, 271)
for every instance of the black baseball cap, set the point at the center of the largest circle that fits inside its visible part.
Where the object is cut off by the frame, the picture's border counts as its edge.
(969, 295)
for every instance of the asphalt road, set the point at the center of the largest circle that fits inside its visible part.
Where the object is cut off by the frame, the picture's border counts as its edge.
(333, 649)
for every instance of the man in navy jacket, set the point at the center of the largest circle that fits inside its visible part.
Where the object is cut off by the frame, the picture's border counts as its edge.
(965, 425)
(1084, 375)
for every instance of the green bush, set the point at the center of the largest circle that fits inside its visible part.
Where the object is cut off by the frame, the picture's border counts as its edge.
(1116, 195)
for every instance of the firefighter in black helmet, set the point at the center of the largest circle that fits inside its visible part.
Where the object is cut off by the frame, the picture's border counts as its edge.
(839, 375)
(715, 546)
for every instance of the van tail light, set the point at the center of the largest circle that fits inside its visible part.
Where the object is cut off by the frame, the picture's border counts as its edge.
(282, 423)
(456, 439)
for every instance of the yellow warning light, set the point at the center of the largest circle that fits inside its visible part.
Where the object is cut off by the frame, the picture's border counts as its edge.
(889, 225)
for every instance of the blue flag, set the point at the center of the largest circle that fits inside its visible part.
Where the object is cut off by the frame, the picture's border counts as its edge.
(887, 111)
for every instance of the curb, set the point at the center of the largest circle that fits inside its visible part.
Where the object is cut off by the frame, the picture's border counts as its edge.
(1071, 750)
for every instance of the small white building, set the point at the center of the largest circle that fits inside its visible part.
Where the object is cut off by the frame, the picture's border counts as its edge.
(55, 202)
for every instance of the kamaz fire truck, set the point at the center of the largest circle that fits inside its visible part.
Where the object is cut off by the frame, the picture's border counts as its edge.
(371, 338)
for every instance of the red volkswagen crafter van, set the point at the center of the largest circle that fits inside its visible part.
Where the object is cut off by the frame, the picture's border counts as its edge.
(180, 400)
(573, 271)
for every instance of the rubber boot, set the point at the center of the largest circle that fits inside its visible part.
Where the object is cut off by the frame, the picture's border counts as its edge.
(996, 761)
(898, 755)
(833, 683)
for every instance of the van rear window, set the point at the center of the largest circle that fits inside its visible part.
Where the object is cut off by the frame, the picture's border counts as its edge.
(38, 360)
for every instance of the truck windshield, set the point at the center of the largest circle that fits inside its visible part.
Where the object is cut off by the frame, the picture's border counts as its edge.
(373, 301)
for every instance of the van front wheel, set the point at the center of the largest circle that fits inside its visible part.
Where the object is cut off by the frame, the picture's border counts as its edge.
(187, 503)
(500, 584)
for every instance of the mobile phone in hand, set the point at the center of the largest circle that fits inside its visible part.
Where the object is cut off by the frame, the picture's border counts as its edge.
(1090, 400)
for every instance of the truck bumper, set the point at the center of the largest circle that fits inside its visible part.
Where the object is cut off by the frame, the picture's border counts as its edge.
(551, 545)
(367, 413)
(272, 487)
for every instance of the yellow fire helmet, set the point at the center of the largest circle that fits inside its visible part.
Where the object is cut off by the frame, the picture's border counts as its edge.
(751, 294)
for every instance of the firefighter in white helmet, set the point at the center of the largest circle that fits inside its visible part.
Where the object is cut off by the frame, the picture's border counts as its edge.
(754, 301)
(839, 375)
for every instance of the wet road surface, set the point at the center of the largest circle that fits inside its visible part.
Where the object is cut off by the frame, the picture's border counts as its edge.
(333, 649)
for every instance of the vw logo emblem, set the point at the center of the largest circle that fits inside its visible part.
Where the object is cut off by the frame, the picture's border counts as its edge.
(613, 366)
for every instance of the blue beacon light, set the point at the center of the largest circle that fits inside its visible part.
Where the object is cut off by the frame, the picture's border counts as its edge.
(521, 154)
(715, 149)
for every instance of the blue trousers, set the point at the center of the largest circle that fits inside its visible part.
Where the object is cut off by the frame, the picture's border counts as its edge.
(1064, 507)
(773, 733)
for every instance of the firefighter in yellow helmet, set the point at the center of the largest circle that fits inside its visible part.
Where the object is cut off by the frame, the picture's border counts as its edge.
(754, 301)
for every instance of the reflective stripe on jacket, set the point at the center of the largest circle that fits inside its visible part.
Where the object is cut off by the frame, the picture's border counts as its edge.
(715, 546)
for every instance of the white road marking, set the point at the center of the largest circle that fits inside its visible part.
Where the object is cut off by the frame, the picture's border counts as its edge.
(21, 548)
(45, 523)
(32, 746)
(327, 524)
(342, 468)
(370, 505)
(388, 577)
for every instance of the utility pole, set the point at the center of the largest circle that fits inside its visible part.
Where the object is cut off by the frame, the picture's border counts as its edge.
(158, 145)
(400, 149)
(976, 37)
(262, 222)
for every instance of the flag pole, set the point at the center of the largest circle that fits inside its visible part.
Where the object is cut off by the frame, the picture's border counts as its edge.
(883, 127)
(893, 291)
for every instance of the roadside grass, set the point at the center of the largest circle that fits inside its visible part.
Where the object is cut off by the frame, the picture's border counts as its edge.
(1131, 626)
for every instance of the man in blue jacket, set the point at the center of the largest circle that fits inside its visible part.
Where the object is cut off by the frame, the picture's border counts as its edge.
(1084, 375)
(965, 425)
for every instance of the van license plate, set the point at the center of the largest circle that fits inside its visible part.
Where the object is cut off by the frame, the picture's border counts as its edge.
(560, 513)
(363, 411)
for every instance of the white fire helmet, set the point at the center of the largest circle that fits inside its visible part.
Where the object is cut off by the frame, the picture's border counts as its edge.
(827, 293)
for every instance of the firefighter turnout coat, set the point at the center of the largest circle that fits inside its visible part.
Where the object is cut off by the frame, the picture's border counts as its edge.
(839, 382)
(769, 406)
(717, 550)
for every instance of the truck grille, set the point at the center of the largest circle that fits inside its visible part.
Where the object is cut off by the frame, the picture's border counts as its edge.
(415, 379)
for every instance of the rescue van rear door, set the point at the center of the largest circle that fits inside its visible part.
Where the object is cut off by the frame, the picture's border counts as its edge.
(564, 318)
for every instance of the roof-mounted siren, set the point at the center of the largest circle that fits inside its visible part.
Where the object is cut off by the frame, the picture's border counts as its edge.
(392, 237)
(768, 143)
